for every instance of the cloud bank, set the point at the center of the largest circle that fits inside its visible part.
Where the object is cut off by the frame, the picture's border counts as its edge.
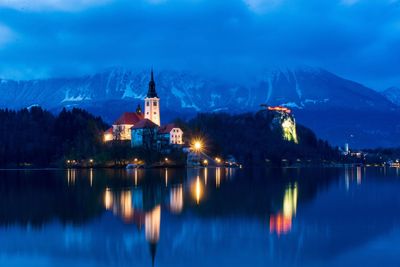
(358, 39)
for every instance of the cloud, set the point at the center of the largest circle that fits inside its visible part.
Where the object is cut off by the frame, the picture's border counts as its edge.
(231, 38)
(60, 5)
(6, 35)
(261, 6)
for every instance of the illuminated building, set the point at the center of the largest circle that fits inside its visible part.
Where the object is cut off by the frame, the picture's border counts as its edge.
(122, 128)
(152, 103)
(283, 119)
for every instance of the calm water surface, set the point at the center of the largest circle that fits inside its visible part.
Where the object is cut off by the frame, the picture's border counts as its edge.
(200, 217)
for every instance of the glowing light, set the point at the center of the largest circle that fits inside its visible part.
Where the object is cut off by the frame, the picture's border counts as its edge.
(217, 177)
(197, 190)
(135, 160)
(166, 159)
(359, 175)
(136, 177)
(166, 177)
(108, 137)
(91, 177)
(197, 145)
(280, 109)
(205, 176)
(218, 160)
(108, 199)
(126, 205)
(205, 162)
(289, 130)
(91, 160)
(290, 201)
(281, 223)
(152, 224)
(176, 199)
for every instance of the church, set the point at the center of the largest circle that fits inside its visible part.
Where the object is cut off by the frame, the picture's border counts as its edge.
(144, 129)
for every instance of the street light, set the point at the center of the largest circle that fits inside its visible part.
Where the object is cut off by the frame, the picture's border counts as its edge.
(197, 145)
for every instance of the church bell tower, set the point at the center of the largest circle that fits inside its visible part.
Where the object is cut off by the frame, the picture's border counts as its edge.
(152, 103)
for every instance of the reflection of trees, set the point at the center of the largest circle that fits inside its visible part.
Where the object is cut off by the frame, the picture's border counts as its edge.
(36, 197)
(260, 192)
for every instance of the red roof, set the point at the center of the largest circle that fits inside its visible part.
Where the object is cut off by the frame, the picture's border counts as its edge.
(109, 131)
(129, 118)
(144, 123)
(280, 109)
(166, 128)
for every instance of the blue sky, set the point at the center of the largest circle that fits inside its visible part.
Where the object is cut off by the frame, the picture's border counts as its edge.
(357, 39)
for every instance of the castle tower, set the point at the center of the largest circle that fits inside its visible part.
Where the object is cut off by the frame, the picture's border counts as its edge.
(152, 103)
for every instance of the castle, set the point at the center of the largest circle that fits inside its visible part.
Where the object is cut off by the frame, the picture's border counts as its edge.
(145, 129)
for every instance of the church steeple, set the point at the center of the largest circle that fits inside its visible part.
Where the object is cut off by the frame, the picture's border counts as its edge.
(151, 93)
(152, 102)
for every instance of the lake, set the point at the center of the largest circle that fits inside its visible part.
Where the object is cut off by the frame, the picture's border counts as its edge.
(200, 217)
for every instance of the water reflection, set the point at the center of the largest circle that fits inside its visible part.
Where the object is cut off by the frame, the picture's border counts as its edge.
(176, 199)
(281, 223)
(277, 217)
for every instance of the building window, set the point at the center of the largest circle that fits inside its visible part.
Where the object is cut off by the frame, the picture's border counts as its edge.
(147, 103)
(155, 103)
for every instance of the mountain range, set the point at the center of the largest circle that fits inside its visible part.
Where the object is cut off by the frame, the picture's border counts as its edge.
(339, 110)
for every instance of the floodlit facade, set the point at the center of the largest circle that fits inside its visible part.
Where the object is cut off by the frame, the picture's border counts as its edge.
(144, 128)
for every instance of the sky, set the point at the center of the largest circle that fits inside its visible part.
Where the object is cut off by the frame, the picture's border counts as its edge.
(234, 39)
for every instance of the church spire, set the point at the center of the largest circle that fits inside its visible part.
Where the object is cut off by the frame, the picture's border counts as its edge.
(151, 93)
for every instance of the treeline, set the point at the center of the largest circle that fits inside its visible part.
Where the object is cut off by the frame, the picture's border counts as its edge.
(36, 137)
(251, 139)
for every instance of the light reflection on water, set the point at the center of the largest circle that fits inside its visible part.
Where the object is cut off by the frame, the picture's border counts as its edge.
(200, 217)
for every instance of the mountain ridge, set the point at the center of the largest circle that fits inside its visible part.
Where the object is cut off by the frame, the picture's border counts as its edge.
(307, 90)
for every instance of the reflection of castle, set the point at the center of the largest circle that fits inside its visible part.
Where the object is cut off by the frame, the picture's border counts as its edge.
(281, 223)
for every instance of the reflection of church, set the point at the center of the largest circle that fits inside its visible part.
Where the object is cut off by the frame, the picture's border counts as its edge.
(142, 128)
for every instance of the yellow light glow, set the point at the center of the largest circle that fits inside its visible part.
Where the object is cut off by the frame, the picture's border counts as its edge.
(197, 145)
(197, 190)
(166, 159)
(176, 199)
(152, 225)
(290, 201)
(217, 177)
(126, 204)
(107, 137)
(205, 162)
(108, 199)
(218, 160)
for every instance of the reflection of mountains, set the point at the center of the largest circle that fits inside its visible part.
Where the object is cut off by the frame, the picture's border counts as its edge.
(282, 198)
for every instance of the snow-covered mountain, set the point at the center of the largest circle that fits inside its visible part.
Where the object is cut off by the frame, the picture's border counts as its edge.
(313, 92)
(393, 94)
